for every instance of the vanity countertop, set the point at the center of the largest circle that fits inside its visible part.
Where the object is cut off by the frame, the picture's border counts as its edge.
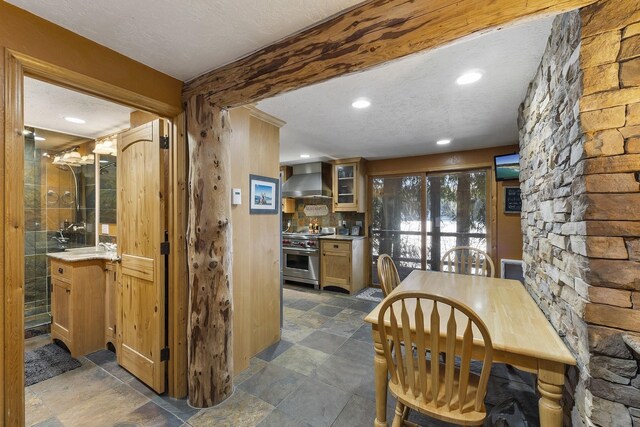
(341, 237)
(84, 254)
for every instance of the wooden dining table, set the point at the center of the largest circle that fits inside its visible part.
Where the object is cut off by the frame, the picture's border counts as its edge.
(521, 334)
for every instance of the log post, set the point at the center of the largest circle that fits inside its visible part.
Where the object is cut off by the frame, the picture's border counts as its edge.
(210, 348)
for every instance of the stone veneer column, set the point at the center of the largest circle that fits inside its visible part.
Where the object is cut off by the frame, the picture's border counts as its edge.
(580, 161)
(610, 207)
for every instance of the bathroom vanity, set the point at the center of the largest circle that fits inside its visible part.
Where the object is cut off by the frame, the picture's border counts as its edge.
(80, 304)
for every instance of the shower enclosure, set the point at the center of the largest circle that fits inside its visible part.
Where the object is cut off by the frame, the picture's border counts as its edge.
(59, 207)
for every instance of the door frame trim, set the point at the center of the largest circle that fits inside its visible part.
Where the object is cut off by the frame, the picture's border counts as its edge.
(15, 67)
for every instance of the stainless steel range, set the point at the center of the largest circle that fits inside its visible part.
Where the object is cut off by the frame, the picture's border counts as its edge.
(301, 257)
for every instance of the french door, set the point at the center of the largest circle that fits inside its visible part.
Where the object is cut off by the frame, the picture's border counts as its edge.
(416, 218)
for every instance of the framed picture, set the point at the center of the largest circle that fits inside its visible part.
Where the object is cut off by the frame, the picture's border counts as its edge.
(263, 195)
(512, 200)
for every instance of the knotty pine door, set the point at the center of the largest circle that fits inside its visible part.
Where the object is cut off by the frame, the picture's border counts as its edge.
(141, 229)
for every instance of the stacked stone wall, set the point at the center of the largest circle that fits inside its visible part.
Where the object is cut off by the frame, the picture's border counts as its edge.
(580, 162)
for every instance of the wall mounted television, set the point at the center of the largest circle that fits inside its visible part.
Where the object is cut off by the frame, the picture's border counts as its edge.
(507, 167)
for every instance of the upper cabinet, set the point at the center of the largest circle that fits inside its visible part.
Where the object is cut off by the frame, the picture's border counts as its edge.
(349, 185)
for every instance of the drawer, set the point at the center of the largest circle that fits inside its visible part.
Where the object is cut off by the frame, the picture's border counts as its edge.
(61, 271)
(335, 246)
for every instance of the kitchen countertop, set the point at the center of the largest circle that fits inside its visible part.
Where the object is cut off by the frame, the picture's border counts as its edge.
(84, 254)
(339, 237)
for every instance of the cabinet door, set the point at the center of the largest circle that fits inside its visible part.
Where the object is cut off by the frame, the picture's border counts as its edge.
(61, 310)
(110, 304)
(345, 178)
(336, 269)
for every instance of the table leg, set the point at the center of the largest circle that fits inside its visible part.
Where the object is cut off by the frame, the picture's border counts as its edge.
(381, 379)
(550, 384)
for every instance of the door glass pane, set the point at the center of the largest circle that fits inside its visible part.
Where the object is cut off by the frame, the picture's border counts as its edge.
(457, 212)
(396, 223)
(346, 184)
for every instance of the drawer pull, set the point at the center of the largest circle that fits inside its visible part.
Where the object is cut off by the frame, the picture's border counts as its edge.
(336, 246)
(68, 291)
(60, 270)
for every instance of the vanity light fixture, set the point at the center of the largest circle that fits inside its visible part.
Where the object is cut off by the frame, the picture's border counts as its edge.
(39, 138)
(361, 103)
(443, 141)
(75, 120)
(468, 78)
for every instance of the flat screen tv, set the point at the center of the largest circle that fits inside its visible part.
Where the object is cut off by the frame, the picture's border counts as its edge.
(507, 167)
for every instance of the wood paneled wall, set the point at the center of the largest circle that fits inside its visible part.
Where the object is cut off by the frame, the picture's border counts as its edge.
(256, 238)
(507, 237)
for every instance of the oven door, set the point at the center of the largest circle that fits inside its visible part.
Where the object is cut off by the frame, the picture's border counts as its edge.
(302, 264)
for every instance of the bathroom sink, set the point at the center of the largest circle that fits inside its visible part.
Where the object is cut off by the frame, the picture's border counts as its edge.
(81, 254)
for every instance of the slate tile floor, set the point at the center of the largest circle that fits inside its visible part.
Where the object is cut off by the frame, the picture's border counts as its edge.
(320, 374)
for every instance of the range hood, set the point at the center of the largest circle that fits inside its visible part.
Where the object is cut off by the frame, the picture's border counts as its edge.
(308, 180)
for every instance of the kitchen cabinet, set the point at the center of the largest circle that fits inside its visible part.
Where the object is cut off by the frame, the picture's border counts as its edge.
(342, 264)
(349, 185)
(110, 318)
(77, 305)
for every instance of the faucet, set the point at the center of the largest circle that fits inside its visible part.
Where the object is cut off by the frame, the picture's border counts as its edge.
(109, 247)
(62, 241)
(81, 226)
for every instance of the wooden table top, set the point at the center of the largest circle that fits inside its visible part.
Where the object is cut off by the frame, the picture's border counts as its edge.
(515, 322)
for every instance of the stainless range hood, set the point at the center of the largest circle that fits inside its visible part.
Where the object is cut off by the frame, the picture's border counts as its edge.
(308, 180)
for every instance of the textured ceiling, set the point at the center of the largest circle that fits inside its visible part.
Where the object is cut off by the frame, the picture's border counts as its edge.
(416, 101)
(46, 106)
(185, 39)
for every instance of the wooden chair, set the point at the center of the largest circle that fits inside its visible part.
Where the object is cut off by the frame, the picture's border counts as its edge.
(467, 260)
(440, 390)
(388, 274)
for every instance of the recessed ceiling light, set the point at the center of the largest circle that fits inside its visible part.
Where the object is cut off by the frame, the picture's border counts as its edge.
(39, 138)
(75, 120)
(443, 141)
(361, 103)
(304, 156)
(468, 78)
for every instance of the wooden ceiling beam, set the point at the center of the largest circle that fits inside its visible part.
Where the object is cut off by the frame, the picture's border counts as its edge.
(367, 35)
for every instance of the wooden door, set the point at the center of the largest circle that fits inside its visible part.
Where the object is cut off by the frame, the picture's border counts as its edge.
(141, 229)
(61, 310)
(336, 268)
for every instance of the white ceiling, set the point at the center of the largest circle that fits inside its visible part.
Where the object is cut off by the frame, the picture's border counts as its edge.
(46, 106)
(185, 39)
(416, 101)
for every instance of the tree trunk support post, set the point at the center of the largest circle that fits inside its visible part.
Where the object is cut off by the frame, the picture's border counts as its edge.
(209, 337)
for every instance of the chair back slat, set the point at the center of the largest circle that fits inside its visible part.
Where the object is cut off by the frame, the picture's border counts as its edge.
(467, 260)
(421, 349)
(450, 351)
(435, 353)
(397, 344)
(408, 351)
(408, 332)
(387, 274)
(465, 365)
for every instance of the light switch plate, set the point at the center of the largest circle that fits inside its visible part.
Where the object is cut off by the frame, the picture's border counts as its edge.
(105, 228)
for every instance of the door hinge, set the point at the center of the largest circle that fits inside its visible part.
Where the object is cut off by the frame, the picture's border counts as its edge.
(165, 248)
(114, 330)
(164, 354)
(164, 142)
